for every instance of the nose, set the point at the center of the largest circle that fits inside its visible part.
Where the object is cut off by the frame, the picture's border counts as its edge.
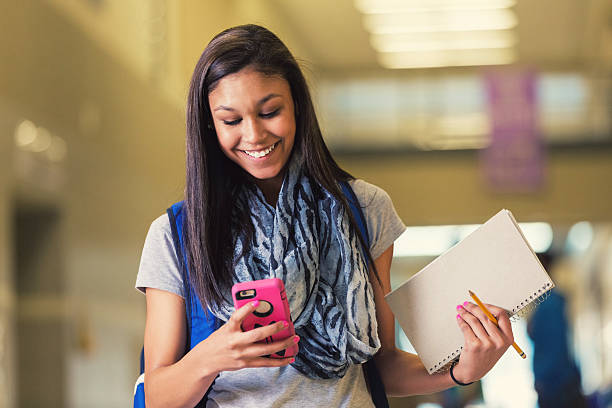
(253, 132)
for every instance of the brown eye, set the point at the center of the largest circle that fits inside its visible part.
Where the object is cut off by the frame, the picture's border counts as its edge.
(232, 122)
(271, 114)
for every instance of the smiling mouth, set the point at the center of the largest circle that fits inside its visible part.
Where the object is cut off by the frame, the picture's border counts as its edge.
(261, 153)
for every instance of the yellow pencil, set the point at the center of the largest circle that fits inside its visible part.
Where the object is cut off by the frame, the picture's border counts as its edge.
(494, 320)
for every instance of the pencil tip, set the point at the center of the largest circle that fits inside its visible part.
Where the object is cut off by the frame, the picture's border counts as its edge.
(471, 293)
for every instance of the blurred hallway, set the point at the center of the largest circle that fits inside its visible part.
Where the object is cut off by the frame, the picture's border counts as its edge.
(92, 96)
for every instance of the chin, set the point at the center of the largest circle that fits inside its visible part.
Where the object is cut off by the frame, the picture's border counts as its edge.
(265, 174)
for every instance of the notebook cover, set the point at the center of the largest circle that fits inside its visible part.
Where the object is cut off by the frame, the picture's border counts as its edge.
(495, 261)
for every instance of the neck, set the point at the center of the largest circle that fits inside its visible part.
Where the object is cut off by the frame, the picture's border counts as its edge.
(271, 187)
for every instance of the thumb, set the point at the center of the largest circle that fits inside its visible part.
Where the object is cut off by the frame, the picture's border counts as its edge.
(240, 314)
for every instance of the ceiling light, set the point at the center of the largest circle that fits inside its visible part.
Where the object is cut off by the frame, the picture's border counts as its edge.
(454, 58)
(398, 23)
(463, 40)
(405, 6)
(456, 126)
(25, 134)
(538, 234)
(579, 237)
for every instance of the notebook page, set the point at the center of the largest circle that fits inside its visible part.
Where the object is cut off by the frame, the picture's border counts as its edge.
(495, 262)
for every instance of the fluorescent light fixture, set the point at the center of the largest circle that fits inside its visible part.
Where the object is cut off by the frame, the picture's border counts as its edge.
(538, 234)
(461, 40)
(471, 142)
(456, 126)
(450, 58)
(406, 6)
(425, 241)
(579, 237)
(434, 240)
(472, 20)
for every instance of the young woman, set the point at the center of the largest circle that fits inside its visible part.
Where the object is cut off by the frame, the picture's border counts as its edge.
(263, 200)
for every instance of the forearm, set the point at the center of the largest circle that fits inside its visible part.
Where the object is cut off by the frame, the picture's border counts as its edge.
(403, 374)
(182, 384)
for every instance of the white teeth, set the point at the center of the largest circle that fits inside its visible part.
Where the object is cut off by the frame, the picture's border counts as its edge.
(261, 153)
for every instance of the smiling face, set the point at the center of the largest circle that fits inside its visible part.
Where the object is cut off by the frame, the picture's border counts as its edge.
(254, 120)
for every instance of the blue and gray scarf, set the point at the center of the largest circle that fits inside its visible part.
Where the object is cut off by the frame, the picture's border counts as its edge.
(309, 243)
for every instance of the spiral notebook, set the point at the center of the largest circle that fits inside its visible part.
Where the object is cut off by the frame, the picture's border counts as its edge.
(495, 261)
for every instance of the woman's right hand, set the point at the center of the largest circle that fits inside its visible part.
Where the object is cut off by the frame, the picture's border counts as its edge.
(229, 348)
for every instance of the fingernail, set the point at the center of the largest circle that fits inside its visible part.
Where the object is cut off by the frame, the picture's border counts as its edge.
(296, 339)
(285, 324)
(459, 307)
(459, 317)
(465, 304)
(255, 303)
(292, 360)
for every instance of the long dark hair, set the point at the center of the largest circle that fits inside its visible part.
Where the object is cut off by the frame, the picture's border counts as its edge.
(213, 180)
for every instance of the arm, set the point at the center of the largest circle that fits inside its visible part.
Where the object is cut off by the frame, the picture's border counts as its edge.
(169, 379)
(404, 374)
(176, 380)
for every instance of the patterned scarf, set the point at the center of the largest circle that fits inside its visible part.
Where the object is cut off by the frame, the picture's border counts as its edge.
(308, 242)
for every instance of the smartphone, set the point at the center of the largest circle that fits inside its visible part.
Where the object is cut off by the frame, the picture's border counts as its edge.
(273, 307)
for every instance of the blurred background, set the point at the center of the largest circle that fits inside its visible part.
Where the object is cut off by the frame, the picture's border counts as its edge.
(456, 108)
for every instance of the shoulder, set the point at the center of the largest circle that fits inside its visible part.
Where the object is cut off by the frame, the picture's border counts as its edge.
(160, 229)
(161, 224)
(159, 267)
(383, 223)
(369, 194)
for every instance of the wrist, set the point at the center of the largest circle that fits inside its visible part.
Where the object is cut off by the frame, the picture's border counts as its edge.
(208, 372)
(204, 362)
(457, 376)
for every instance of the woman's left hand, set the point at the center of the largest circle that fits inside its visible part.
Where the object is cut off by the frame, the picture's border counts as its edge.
(485, 342)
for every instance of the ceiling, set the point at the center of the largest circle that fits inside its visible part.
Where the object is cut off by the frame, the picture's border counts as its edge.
(162, 39)
(552, 34)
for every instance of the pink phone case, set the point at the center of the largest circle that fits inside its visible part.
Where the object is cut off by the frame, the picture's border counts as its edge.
(273, 307)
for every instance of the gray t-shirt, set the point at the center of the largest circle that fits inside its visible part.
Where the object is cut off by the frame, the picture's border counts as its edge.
(276, 387)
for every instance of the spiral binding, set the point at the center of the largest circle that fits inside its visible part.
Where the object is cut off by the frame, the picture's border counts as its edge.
(444, 365)
(517, 313)
(529, 304)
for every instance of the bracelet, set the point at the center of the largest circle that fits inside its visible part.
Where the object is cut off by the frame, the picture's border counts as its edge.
(454, 363)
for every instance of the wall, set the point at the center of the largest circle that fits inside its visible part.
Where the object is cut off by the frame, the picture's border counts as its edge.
(125, 138)
(124, 167)
(7, 297)
(436, 188)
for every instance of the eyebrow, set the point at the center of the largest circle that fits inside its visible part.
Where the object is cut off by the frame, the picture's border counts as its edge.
(260, 102)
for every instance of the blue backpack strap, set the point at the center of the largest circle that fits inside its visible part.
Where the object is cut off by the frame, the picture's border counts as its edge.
(174, 215)
(142, 361)
(356, 210)
(377, 388)
(200, 323)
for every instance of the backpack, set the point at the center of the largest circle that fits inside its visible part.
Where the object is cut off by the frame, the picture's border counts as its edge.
(200, 324)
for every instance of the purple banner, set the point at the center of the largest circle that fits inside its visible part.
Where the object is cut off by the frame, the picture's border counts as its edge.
(514, 160)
